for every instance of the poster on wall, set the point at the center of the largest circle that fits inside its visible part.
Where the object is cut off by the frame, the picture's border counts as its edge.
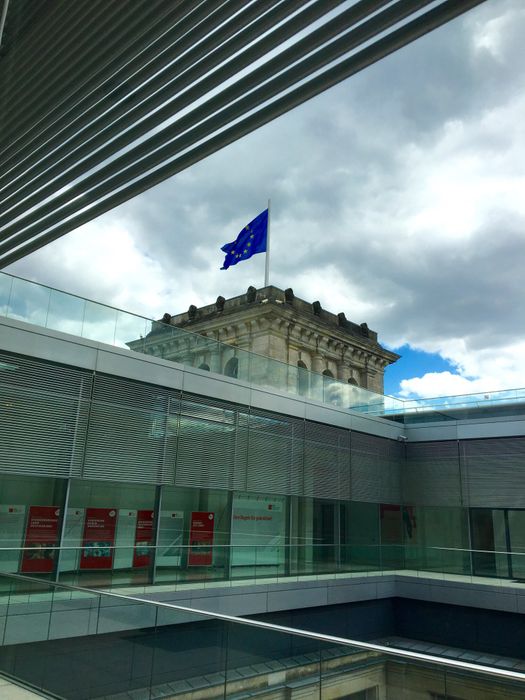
(41, 536)
(98, 539)
(258, 529)
(143, 539)
(201, 539)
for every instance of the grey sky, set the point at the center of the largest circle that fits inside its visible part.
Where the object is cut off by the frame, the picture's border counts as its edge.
(397, 197)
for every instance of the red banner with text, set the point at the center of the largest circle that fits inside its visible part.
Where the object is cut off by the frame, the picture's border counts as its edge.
(143, 539)
(41, 537)
(201, 539)
(98, 539)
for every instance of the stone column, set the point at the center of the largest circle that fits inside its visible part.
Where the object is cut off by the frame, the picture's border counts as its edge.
(316, 383)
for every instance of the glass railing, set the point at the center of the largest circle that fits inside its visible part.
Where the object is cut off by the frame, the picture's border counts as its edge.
(50, 308)
(145, 567)
(44, 306)
(82, 644)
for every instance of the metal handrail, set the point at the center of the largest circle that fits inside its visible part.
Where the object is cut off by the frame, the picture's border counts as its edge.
(365, 646)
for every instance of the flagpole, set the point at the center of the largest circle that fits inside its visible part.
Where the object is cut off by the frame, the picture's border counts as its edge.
(267, 259)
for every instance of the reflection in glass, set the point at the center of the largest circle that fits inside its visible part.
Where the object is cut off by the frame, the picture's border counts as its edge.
(28, 302)
(6, 283)
(99, 323)
(66, 312)
(130, 328)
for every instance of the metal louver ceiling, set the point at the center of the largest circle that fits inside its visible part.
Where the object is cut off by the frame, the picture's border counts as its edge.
(100, 101)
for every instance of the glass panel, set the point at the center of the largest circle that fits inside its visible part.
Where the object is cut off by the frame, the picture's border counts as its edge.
(28, 302)
(415, 680)
(265, 662)
(356, 674)
(516, 522)
(30, 518)
(6, 283)
(99, 323)
(109, 534)
(66, 313)
(131, 331)
(488, 534)
(360, 534)
(194, 531)
(392, 550)
(258, 534)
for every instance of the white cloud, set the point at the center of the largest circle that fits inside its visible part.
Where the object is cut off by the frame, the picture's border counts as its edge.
(480, 371)
(397, 198)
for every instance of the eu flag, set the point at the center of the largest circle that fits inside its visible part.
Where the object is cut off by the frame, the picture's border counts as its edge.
(251, 240)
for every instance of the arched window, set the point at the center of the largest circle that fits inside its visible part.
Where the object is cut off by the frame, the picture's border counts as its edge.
(353, 382)
(302, 378)
(204, 366)
(232, 368)
(327, 373)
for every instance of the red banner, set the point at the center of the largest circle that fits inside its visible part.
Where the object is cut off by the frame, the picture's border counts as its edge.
(99, 538)
(42, 536)
(201, 539)
(143, 539)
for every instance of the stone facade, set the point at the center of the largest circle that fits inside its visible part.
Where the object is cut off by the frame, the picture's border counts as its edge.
(277, 324)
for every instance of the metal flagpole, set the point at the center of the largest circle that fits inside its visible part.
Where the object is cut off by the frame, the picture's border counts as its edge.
(267, 260)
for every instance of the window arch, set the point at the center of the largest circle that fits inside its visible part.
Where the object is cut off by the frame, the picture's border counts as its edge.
(302, 378)
(231, 368)
(352, 381)
(328, 373)
(204, 366)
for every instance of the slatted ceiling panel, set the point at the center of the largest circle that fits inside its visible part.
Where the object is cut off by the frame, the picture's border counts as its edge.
(271, 423)
(431, 474)
(41, 434)
(132, 432)
(239, 476)
(269, 463)
(296, 474)
(212, 449)
(43, 416)
(134, 394)
(275, 460)
(376, 469)
(210, 408)
(206, 454)
(38, 375)
(494, 472)
(326, 461)
(128, 444)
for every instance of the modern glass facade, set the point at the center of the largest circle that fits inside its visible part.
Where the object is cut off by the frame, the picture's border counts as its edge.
(134, 482)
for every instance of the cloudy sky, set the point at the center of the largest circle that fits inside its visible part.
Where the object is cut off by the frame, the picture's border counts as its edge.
(397, 197)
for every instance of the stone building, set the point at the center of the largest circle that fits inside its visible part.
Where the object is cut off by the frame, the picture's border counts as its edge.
(276, 324)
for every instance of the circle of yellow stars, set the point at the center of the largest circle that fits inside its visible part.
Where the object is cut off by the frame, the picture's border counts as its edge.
(248, 245)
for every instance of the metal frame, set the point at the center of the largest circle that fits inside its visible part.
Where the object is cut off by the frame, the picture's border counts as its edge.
(86, 127)
(452, 664)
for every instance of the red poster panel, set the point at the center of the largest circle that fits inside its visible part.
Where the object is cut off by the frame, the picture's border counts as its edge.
(99, 538)
(201, 539)
(42, 534)
(143, 539)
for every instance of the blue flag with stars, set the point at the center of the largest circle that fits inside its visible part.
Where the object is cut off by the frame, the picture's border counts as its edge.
(251, 240)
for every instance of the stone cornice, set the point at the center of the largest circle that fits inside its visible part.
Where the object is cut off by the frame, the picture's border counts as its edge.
(308, 330)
